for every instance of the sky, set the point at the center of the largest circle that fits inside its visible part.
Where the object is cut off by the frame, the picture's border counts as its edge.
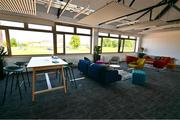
(22, 36)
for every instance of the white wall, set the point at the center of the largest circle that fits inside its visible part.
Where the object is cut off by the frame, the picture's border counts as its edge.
(165, 43)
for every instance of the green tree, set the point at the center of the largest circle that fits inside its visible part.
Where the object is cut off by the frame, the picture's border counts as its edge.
(106, 42)
(75, 41)
(13, 42)
(4, 43)
(114, 43)
(128, 43)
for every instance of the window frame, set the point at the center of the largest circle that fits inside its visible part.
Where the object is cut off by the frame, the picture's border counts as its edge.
(37, 28)
(55, 33)
(83, 28)
(30, 30)
(75, 33)
(134, 45)
(64, 26)
(12, 21)
(120, 41)
(110, 38)
(108, 35)
(7, 28)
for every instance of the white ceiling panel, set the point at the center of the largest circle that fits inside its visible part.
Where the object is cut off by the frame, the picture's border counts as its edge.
(110, 11)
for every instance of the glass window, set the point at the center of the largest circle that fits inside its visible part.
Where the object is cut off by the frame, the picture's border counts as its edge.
(124, 36)
(103, 34)
(3, 39)
(62, 28)
(114, 35)
(121, 45)
(77, 43)
(11, 23)
(129, 45)
(99, 41)
(60, 43)
(30, 43)
(40, 27)
(110, 45)
(132, 37)
(83, 31)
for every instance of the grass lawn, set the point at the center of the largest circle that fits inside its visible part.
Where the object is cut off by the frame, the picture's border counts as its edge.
(128, 49)
(109, 49)
(78, 50)
(44, 50)
(30, 50)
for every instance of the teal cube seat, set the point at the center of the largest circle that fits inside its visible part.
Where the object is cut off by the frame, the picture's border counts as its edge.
(138, 77)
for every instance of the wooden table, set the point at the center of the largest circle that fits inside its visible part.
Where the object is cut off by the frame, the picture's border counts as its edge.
(46, 63)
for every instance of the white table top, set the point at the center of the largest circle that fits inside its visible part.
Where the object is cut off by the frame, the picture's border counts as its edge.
(44, 61)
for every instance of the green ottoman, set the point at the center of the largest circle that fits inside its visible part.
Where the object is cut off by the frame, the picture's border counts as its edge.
(138, 77)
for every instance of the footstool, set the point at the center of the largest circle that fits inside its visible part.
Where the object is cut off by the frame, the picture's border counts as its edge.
(171, 66)
(100, 62)
(138, 77)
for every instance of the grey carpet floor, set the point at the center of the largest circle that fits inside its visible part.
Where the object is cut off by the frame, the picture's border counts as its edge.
(159, 98)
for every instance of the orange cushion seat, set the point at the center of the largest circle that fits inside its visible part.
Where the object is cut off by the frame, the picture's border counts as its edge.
(171, 66)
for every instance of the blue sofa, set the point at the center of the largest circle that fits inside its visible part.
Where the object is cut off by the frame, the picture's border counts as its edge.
(98, 72)
(83, 66)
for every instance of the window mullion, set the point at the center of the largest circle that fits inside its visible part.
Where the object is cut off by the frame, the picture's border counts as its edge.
(8, 42)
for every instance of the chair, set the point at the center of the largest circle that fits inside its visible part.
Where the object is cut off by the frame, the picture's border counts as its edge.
(15, 71)
(114, 60)
(23, 64)
(139, 64)
(130, 59)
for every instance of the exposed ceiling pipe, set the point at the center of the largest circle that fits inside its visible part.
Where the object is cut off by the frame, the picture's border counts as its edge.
(176, 7)
(131, 3)
(117, 20)
(143, 25)
(139, 11)
(166, 9)
(64, 8)
(143, 14)
(80, 12)
(175, 21)
(49, 6)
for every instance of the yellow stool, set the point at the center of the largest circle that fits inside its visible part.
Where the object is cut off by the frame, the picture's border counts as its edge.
(171, 66)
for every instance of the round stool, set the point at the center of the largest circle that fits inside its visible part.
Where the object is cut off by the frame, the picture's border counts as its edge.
(23, 64)
(15, 71)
